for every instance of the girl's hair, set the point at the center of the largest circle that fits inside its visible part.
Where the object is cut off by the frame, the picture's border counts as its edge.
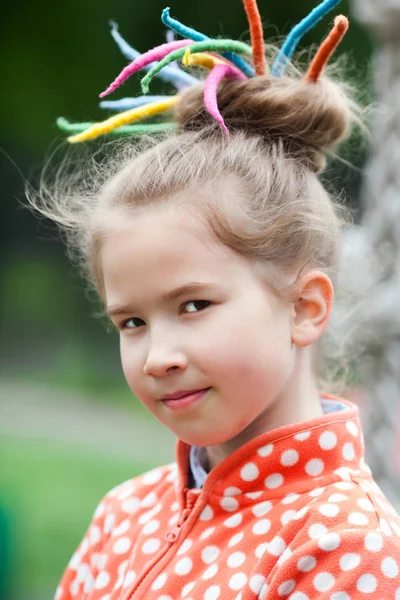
(280, 216)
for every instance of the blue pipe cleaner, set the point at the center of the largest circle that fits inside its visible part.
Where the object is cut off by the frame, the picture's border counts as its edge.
(294, 37)
(128, 103)
(172, 75)
(192, 34)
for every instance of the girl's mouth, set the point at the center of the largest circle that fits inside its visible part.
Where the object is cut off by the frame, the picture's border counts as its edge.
(184, 401)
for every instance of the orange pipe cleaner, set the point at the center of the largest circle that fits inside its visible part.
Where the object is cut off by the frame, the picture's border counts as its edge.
(256, 33)
(327, 48)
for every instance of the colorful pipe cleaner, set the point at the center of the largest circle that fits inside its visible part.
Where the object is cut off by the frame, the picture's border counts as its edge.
(65, 125)
(298, 32)
(196, 36)
(222, 57)
(136, 114)
(327, 48)
(210, 89)
(173, 75)
(128, 103)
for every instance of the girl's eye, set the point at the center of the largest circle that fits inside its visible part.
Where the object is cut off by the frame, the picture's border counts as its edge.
(199, 302)
(130, 323)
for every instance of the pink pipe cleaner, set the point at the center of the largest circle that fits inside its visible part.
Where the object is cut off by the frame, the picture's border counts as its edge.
(210, 90)
(145, 59)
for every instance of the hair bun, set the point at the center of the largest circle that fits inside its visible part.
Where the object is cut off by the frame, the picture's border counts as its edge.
(309, 117)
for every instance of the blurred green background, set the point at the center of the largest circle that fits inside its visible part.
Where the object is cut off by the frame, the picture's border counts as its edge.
(70, 429)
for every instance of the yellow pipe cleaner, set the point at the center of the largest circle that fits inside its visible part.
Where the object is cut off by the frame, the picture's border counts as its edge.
(135, 114)
(201, 59)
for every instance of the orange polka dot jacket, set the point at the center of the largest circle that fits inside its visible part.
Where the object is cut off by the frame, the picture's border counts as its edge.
(292, 514)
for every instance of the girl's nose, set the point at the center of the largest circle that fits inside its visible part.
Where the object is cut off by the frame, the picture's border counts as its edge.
(161, 360)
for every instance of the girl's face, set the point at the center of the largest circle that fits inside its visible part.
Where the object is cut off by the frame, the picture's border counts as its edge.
(232, 335)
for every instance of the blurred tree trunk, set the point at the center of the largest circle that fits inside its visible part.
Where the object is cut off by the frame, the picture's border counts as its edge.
(380, 230)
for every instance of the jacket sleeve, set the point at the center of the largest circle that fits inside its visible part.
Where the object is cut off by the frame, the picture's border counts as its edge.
(345, 565)
(79, 576)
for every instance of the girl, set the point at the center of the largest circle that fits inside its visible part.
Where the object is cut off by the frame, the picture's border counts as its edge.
(215, 252)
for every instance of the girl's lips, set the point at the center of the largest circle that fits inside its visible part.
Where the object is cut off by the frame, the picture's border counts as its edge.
(185, 400)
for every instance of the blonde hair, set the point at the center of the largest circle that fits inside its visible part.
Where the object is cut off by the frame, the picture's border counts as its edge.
(282, 216)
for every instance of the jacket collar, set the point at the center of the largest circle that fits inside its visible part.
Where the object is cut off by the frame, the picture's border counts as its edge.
(297, 457)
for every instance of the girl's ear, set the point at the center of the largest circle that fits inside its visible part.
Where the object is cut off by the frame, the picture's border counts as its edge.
(312, 307)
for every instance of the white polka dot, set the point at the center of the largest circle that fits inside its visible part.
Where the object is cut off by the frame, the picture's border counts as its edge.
(340, 596)
(229, 503)
(122, 545)
(329, 542)
(122, 528)
(366, 584)
(249, 472)
(397, 596)
(328, 440)
(237, 581)
(301, 437)
(212, 593)
(94, 535)
(284, 557)
(301, 513)
(232, 491)
(292, 497)
(265, 450)
(82, 572)
(373, 542)
(337, 498)
(384, 525)
(288, 516)
(329, 510)
(256, 583)
(234, 520)
(206, 514)
(235, 539)
(208, 532)
(323, 581)
(317, 530)
(274, 481)
(151, 527)
(183, 566)
(253, 495)
(306, 563)
(89, 583)
(109, 523)
(149, 500)
(316, 492)
(348, 451)
(389, 567)
(261, 527)
(151, 546)
(352, 428)
(349, 561)
(276, 546)
(366, 504)
(357, 518)
(129, 578)
(184, 547)
(159, 582)
(343, 473)
(187, 589)
(314, 467)
(152, 477)
(210, 572)
(236, 559)
(343, 485)
(289, 458)
(102, 580)
(210, 554)
(286, 587)
(262, 508)
(261, 549)
(74, 587)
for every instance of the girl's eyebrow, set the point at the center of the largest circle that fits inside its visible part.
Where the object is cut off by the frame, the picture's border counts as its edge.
(190, 288)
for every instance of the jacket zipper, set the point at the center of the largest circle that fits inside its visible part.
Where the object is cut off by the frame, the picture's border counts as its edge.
(170, 537)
